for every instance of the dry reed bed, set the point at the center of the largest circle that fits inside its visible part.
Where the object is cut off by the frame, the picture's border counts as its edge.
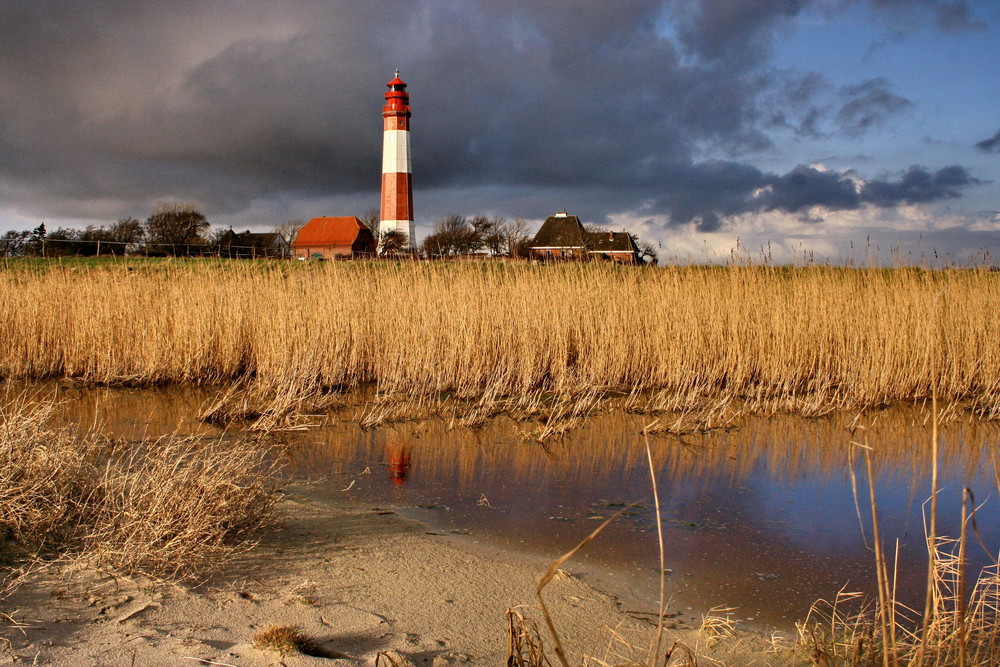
(169, 506)
(812, 338)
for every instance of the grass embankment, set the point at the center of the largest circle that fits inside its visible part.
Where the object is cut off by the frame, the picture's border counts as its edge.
(804, 339)
(168, 507)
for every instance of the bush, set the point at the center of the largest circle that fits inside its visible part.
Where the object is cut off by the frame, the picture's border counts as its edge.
(167, 507)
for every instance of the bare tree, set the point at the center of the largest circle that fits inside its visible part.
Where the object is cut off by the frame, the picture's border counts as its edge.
(176, 223)
(452, 235)
(647, 251)
(515, 237)
(126, 230)
(491, 232)
(119, 238)
(288, 229)
(12, 244)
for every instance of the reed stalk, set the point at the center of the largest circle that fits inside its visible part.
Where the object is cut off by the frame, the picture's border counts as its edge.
(960, 593)
(930, 599)
(663, 553)
(954, 628)
(888, 655)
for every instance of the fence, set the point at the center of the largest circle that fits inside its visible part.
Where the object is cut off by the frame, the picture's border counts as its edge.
(56, 247)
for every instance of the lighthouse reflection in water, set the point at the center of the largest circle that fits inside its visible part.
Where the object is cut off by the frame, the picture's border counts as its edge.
(398, 457)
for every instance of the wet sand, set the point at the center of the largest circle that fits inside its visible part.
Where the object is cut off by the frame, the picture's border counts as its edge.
(357, 579)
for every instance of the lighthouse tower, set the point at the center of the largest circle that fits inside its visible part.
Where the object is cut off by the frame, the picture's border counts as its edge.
(397, 188)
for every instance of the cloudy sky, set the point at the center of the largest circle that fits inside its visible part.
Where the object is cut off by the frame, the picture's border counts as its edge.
(798, 125)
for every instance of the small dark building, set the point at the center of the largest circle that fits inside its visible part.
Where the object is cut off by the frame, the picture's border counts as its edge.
(248, 245)
(563, 237)
(613, 247)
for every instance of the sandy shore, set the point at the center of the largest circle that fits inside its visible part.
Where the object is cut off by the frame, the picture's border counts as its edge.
(358, 580)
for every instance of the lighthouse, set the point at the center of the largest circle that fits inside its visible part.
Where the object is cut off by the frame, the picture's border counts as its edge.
(397, 188)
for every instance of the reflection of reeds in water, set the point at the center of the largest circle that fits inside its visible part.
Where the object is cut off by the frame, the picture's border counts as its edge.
(709, 444)
(281, 406)
(805, 339)
(608, 444)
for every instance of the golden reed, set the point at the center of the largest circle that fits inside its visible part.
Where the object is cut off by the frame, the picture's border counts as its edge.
(812, 336)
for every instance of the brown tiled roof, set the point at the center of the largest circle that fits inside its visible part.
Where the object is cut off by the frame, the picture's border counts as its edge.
(610, 241)
(340, 231)
(560, 231)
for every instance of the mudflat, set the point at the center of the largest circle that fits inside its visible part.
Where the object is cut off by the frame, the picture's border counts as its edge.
(358, 581)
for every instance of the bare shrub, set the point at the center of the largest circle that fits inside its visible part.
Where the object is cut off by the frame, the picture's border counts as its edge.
(285, 640)
(169, 506)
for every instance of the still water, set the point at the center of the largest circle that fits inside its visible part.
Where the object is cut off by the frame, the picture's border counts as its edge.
(761, 517)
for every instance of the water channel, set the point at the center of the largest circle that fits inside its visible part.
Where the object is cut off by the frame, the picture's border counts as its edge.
(761, 517)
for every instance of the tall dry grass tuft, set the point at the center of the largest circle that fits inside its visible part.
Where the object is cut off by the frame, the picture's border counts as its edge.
(168, 507)
(807, 339)
(955, 627)
(961, 628)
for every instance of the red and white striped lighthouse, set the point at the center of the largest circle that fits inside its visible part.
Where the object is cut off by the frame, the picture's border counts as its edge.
(397, 187)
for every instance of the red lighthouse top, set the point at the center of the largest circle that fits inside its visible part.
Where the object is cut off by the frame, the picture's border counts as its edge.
(397, 100)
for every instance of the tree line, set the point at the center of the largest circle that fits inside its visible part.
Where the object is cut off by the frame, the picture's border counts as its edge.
(179, 228)
(172, 228)
(458, 235)
(455, 235)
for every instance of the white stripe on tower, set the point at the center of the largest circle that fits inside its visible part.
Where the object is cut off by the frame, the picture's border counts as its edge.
(397, 188)
(396, 152)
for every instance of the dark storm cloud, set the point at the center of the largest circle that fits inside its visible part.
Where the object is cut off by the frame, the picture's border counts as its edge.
(804, 187)
(990, 145)
(733, 31)
(868, 105)
(706, 193)
(918, 185)
(140, 101)
(954, 17)
(741, 34)
(106, 107)
(807, 104)
(949, 15)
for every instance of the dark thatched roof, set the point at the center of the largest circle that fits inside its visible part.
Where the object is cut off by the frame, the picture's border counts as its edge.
(560, 231)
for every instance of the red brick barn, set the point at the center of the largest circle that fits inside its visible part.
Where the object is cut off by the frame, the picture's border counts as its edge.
(343, 237)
